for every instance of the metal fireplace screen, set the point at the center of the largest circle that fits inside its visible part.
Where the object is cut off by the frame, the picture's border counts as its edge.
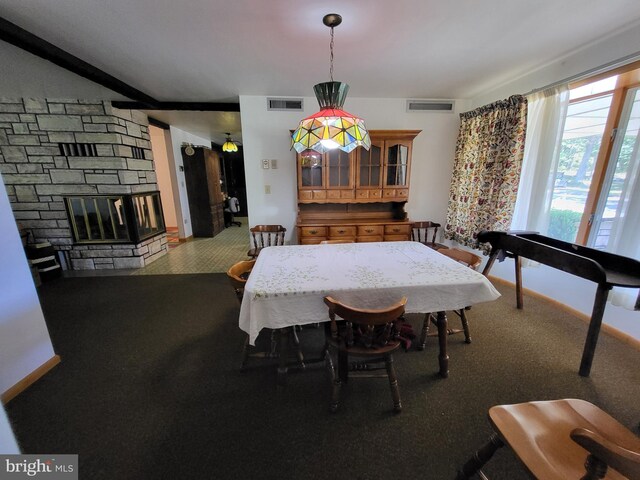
(115, 218)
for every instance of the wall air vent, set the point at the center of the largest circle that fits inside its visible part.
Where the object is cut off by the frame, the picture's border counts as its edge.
(446, 106)
(137, 152)
(78, 149)
(285, 104)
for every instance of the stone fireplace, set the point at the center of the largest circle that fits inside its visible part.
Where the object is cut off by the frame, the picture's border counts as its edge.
(62, 160)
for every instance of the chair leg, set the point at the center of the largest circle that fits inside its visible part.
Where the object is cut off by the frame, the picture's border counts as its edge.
(425, 331)
(482, 456)
(335, 394)
(296, 347)
(245, 355)
(273, 353)
(465, 325)
(393, 383)
(336, 380)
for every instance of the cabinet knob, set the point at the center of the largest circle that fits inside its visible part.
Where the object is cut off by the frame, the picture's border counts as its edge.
(396, 229)
(368, 230)
(340, 231)
(313, 232)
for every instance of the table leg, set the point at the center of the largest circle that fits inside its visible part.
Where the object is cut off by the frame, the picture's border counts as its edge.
(443, 358)
(492, 258)
(518, 266)
(594, 330)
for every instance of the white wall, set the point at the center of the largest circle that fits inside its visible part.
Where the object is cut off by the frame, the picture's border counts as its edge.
(164, 171)
(266, 136)
(569, 289)
(33, 77)
(24, 339)
(592, 56)
(8, 444)
(178, 137)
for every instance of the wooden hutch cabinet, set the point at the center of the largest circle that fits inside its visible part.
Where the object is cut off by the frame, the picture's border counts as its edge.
(357, 196)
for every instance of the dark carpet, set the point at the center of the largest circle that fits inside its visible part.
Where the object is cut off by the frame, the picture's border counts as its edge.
(149, 387)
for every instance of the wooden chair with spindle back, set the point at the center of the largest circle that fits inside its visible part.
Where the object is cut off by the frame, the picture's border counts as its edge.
(265, 236)
(368, 334)
(420, 233)
(238, 274)
(559, 440)
(472, 261)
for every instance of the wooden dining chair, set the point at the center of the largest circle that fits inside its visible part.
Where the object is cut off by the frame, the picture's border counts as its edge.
(472, 261)
(265, 236)
(328, 242)
(368, 334)
(420, 232)
(560, 440)
(238, 274)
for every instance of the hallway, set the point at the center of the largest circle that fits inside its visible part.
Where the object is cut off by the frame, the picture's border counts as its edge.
(204, 255)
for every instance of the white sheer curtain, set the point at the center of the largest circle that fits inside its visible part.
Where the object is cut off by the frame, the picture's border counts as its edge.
(547, 111)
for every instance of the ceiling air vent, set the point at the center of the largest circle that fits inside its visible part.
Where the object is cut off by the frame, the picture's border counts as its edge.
(285, 104)
(430, 106)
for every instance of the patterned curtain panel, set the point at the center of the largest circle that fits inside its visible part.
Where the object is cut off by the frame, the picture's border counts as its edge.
(486, 169)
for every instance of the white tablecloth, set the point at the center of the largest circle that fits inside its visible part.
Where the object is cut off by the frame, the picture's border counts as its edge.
(288, 283)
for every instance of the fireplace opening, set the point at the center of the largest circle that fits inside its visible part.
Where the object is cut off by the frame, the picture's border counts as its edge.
(115, 218)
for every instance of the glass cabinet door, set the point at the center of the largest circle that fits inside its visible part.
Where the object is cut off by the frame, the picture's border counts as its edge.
(311, 168)
(397, 165)
(370, 174)
(339, 169)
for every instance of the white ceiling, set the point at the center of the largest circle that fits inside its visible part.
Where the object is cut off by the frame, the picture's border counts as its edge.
(215, 50)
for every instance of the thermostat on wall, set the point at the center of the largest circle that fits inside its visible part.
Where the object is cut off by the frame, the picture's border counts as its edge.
(265, 164)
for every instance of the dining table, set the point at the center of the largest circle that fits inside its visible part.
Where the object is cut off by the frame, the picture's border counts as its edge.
(288, 283)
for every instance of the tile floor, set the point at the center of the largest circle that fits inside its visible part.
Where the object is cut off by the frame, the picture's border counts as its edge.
(204, 255)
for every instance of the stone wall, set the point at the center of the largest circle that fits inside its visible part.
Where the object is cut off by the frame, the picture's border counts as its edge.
(35, 134)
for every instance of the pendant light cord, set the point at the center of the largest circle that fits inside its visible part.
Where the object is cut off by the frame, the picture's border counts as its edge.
(331, 56)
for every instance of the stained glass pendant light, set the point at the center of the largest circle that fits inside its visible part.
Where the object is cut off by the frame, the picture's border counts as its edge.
(229, 145)
(331, 127)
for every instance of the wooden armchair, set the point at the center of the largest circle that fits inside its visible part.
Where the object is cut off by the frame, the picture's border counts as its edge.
(367, 334)
(265, 236)
(472, 261)
(238, 275)
(559, 440)
(420, 233)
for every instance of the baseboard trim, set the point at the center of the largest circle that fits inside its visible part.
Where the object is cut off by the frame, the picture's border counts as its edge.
(613, 331)
(29, 380)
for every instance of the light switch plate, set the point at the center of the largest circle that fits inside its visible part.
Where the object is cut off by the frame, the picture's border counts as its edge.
(274, 163)
(267, 189)
(265, 164)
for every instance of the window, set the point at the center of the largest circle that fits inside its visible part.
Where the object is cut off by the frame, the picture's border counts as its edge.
(598, 161)
(584, 127)
(615, 203)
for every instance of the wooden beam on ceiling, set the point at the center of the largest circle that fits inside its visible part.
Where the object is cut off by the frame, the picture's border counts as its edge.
(192, 106)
